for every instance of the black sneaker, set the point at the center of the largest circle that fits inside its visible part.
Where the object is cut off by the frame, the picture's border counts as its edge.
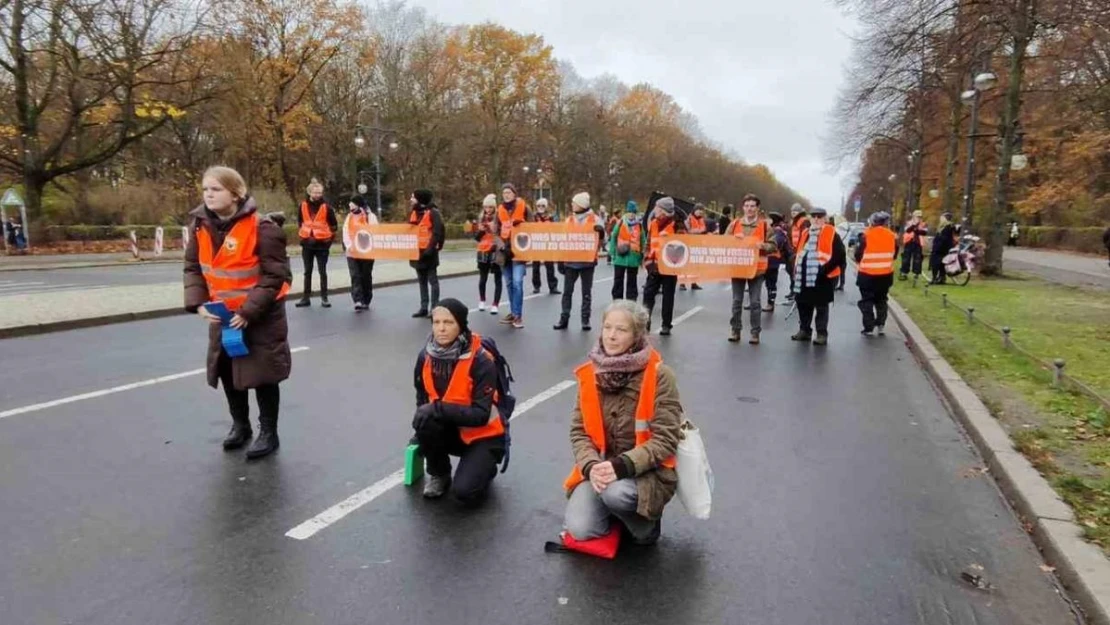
(802, 336)
(303, 303)
(695, 287)
(325, 303)
(822, 339)
(419, 314)
(562, 325)
(586, 327)
(866, 331)
(665, 331)
(554, 292)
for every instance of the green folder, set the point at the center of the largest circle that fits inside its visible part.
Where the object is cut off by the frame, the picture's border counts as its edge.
(414, 464)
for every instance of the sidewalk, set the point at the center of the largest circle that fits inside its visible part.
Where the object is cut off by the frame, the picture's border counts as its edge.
(36, 313)
(1060, 267)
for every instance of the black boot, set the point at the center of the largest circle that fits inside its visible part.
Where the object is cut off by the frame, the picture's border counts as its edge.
(240, 433)
(563, 323)
(267, 441)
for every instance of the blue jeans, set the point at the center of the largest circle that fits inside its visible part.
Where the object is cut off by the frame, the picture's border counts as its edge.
(512, 275)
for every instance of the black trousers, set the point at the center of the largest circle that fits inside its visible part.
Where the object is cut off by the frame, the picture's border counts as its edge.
(319, 256)
(552, 279)
(268, 397)
(655, 282)
(806, 314)
(625, 284)
(572, 275)
(429, 280)
(873, 305)
(912, 257)
(477, 461)
(362, 280)
(484, 272)
(771, 280)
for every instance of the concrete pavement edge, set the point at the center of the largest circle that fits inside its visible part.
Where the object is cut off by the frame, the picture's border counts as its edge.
(103, 320)
(1080, 565)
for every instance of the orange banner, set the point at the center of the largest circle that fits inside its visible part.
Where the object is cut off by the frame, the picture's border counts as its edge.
(560, 242)
(384, 242)
(708, 257)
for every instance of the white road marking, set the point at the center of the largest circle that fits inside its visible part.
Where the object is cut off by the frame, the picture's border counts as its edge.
(111, 391)
(684, 316)
(328, 517)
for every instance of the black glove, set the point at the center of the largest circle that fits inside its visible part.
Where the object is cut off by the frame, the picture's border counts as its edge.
(423, 415)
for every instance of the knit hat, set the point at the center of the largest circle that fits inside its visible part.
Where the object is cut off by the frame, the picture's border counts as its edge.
(541, 202)
(490, 200)
(776, 218)
(665, 204)
(582, 200)
(360, 201)
(509, 186)
(458, 310)
(880, 218)
(631, 207)
(423, 197)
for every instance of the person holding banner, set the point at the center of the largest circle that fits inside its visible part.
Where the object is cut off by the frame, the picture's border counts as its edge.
(661, 225)
(487, 256)
(542, 216)
(757, 231)
(817, 268)
(695, 224)
(624, 433)
(627, 242)
(317, 224)
(361, 269)
(581, 215)
(511, 213)
(238, 259)
(431, 235)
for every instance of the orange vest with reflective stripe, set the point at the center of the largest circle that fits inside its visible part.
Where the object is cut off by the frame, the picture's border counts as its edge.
(424, 229)
(631, 236)
(657, 237)
(796, 231)
(315, 227)
(758, 237)
(878, 253)
(593, 220)
(460, 392)
(696, 225)
(824, 248)
(233, 270)
(589, 402)
(520, 213)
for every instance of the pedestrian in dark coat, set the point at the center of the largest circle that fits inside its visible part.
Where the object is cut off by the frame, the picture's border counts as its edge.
(427, 266)
(1106, 241)
(261, 316)
(942, 245)
(816, 274)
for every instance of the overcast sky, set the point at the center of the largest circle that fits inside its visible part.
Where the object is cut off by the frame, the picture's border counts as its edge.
(760, 75)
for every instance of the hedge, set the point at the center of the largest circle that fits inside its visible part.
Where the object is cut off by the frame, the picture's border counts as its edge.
(1088, 240)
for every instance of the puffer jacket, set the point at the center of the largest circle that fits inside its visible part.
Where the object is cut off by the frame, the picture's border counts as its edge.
(655, 485)
(631, 259)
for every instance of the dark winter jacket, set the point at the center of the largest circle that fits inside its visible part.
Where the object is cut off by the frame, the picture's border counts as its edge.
(267, 333)
(333, 223)
(824, 290)
(942, 244)
(782, 242)
(483, 375)
(429, 258)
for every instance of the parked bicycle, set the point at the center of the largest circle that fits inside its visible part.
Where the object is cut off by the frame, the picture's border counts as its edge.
(963, 259)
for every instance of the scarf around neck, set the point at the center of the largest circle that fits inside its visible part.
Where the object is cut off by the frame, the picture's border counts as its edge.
(805, 272)
(614, 372)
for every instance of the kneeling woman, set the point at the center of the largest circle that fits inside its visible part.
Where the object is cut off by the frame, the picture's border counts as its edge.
(456, 386)
(624, 433)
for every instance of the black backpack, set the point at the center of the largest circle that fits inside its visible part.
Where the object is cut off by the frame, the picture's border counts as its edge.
(506, 402)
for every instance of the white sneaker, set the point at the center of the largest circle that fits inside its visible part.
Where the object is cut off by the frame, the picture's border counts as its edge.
(481, 305)
(493, 309)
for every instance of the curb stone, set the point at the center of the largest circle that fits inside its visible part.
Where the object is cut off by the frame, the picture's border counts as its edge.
(103, 320)
(1080, 565)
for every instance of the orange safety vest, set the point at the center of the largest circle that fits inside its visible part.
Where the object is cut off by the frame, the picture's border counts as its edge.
(878, 255)
(520, 213)
(233, 270)
(592, 221)
(824, 248)
(461, 390)
(758, 237)
(657, 237)
(797, 230)
(695, 225)
(589, 402)
(630, 236)
(485, 244)
(424, 232)
(315, 227)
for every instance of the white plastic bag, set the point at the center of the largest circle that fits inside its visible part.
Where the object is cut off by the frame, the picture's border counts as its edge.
(695, 478)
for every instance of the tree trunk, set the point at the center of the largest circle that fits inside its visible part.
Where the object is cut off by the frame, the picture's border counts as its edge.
(1023, 26)
(948, 201)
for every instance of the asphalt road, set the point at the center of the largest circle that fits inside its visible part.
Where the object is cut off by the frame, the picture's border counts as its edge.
(1061, 267)
(78, 279)
(845, 494)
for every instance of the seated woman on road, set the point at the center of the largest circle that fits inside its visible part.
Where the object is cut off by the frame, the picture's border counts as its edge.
(238, 257)
(624, 432)
(456, 382)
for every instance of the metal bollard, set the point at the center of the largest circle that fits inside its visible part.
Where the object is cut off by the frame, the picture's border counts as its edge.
(1058, 374)
(970, 315)
(944, 299)
(1006, 337)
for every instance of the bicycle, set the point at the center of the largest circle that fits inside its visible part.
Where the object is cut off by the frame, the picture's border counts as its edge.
(962, 261)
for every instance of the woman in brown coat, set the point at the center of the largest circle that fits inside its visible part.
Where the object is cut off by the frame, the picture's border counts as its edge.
(259, 306)
(623, 448)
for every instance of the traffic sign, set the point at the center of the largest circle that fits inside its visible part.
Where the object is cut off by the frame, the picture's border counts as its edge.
(11, 198)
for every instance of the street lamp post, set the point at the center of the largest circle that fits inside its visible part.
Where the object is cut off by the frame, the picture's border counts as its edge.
(982, 82)
(377, 134)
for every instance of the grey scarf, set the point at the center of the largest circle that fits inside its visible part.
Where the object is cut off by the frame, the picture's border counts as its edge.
(805, 271)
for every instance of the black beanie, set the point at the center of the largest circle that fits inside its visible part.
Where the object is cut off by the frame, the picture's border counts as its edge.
(423, 197)
(458, 310)
(360, 201)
